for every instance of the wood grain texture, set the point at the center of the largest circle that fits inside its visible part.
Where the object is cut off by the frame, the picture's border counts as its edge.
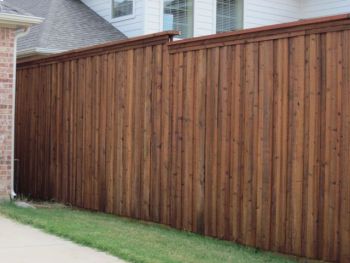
(240, 136)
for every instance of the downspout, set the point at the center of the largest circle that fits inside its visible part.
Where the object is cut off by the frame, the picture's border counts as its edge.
(18, 35)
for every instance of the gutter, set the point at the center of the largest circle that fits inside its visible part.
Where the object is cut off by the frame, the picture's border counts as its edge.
(18, 35)
(16, 20)
(22, 23)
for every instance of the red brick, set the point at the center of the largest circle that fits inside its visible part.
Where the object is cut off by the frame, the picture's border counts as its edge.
(6, 113)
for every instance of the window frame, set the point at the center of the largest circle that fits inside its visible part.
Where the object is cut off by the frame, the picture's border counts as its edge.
(126, 17)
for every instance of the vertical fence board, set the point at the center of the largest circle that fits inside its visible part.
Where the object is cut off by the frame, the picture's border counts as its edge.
(119, 98)
(237, 115)
(280, 146)
(110, 149)
(312, 83)
(344, 232)
(296, 143)
(211, 141)
(166, 138)
(199, 142)
(250, 143)
(187, 142)
(155, 140)
(264, 176)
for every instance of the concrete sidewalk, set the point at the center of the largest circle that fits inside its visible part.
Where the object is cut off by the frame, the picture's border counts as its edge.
(24, 244)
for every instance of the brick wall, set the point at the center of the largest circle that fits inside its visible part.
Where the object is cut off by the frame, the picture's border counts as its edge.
(6, 109)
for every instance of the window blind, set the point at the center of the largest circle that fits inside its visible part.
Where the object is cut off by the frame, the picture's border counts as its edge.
(229, 15)
(122, 8)
(178, 15)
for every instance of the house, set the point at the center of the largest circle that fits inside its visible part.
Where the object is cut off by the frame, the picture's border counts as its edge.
(68, 24)
(205, 17)
(14, 23)
(72, 24)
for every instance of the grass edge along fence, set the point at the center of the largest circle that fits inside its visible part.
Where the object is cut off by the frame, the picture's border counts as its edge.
(242, 136)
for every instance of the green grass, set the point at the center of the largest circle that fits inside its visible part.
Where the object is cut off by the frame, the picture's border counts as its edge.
(133, 240)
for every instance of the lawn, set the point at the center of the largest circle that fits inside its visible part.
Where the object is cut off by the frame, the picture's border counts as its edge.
(133, 240)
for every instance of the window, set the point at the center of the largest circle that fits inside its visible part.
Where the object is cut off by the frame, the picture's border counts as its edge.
(229, 15)
(121, 8)
(178, 15)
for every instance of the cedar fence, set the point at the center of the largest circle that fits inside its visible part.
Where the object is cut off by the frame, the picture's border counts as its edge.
(243, 136)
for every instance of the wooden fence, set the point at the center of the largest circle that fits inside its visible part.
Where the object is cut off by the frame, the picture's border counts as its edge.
(243, 136)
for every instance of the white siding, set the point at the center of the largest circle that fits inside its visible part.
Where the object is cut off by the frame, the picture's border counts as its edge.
(204, 17)
(148, 16)
(316, 8)
(130, 27)
(153, 16)
(262, 13)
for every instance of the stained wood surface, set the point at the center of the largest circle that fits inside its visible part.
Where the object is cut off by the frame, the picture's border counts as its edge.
(240, 136)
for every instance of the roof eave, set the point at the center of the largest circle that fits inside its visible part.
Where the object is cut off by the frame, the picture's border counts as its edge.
(14, 20)
(37, 51)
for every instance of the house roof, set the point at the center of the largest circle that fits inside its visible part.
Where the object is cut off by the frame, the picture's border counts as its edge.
(68, 24)
(11, 16)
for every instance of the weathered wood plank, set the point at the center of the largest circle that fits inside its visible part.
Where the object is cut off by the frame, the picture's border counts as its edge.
(110, 126)
(313, 167)
(146, 135)
(237, 117)
(344, 227)
(265, 146)
(102, 134)
(250, 144)
(199, 142)
(296, 143)
(187, 141)
(155, 140)
(129, 126)
(281, 93)
(211, 141)
(332, 144)
(119, 97)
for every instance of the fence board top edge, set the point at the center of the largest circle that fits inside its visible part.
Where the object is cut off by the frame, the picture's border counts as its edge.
(264, 31)
(131, 43)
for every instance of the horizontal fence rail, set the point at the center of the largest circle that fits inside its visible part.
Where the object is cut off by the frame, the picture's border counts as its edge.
(244, 136)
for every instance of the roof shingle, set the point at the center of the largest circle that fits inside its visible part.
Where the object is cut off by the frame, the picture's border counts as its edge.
(69, 24)
(6, 8)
